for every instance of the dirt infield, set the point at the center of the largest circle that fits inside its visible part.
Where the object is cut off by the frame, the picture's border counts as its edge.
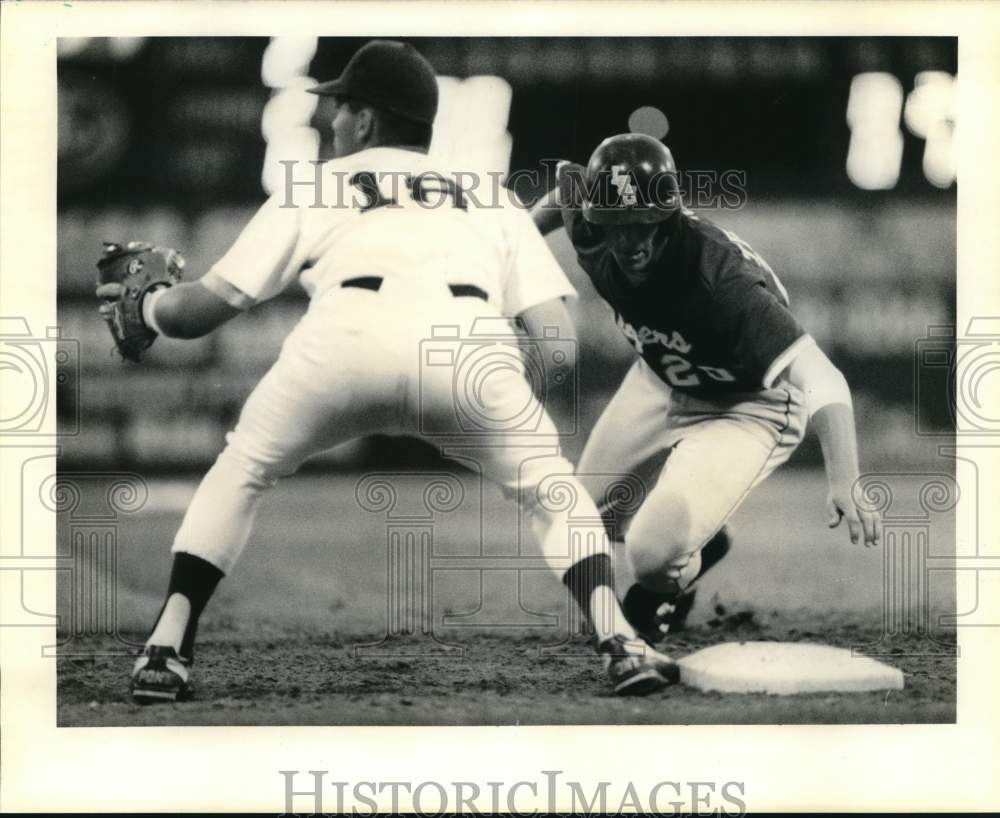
(280, 643)
(315, 680)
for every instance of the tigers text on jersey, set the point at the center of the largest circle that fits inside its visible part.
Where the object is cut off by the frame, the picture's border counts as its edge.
(711, 320)
(390, 213)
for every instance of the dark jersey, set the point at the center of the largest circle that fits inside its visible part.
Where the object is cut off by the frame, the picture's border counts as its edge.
(712, 318)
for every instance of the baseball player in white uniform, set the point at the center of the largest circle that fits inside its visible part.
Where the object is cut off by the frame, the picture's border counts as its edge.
(387, 248)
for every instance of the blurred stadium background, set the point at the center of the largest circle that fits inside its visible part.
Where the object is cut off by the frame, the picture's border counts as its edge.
(844, 183)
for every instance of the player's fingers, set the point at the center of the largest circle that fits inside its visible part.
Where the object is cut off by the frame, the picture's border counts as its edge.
(870, 523)
(109, 291)
(853, 526)
(867, 529)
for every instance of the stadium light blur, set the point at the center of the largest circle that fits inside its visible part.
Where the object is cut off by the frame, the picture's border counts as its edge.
(874, 107)
(286, 59)
(650, 121)
(930, 114)
(113, 49)
(470, 130)
(285, 122)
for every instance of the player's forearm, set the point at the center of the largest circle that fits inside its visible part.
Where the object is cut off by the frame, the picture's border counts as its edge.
(827, 398)
(834, 424)
(546, 213)
(187, 310)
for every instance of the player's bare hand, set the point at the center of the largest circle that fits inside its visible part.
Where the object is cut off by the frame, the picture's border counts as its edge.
(861, 523)
(108, 293)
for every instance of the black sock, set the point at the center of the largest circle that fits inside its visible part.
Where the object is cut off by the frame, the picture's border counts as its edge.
(195, 579)
(584, 576)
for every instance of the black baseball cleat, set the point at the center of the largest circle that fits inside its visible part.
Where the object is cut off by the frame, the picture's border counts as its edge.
(654, 614)
(160, 675)
(635, 668)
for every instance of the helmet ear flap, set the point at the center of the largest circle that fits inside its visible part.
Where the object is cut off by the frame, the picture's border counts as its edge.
(665, 190)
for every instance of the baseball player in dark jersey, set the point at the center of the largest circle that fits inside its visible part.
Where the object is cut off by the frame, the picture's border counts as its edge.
(725, 381)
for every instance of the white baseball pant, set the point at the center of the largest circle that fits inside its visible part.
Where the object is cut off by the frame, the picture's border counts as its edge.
(362, 362)
(715, 451)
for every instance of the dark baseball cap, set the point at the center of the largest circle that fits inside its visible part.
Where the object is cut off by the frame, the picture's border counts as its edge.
(390, 75)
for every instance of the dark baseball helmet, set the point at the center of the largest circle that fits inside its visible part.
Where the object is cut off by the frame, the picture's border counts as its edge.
(630, 179)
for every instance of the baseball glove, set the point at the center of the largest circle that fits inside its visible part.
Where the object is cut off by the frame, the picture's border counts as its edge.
(126, 273)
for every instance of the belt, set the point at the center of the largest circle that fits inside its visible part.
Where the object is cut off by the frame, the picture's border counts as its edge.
(374, 283)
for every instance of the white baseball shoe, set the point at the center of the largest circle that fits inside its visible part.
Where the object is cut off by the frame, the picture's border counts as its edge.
(635, 668)
(160, 675)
